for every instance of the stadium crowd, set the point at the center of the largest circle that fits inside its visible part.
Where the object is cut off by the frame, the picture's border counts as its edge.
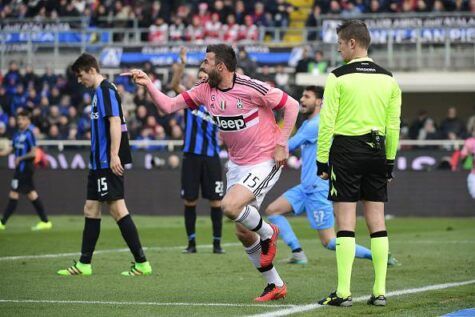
(60, 108)
(199, 20)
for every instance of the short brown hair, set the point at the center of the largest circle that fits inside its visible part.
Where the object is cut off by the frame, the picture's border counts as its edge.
(224, 54)
(354, 29)
(85, 62)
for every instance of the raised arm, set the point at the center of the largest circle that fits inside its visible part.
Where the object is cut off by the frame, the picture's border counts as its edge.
(163, 102)
(179, 69)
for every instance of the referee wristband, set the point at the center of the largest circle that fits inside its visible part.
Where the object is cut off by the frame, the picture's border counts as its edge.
(322, 168)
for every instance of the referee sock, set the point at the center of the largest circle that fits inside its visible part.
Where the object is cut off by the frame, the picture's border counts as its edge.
(131, 237)
(269, 273)
(11, 206)
(90, 234)
(40, 210)
(190, 221)
(345, 255)
(252, 220)
(217, 220)
(380, 249)
(286, 232)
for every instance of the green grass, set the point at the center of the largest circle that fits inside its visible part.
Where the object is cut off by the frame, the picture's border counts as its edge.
(431, 250)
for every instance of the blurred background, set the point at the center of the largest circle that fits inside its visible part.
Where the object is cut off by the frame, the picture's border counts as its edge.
(429, 45)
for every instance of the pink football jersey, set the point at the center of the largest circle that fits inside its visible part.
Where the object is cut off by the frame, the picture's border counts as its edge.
(244, 116)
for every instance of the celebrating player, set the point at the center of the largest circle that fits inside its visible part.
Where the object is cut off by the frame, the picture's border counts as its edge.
(243, 110)
(110, 151)
(24, 145)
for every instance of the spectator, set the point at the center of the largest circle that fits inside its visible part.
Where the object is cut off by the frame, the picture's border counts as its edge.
(222, 10)
(49, 77)
(302, 64)
(281, 13)
(313, 22)
(53, 133)
(240, 12)
(318, 66)
(248, 31)
(19, 99)
(158, 32)
(30, 79)
(213, 29)
(246, 63)
(127, 99)
(418, 124)
(195, 31)
(428, 131)
(177, 30)
(12, 78)
(452, 127)
(4, 101)
(260, 17)
(53, 116)
(281, 78)
(266, 76)
(231, 29)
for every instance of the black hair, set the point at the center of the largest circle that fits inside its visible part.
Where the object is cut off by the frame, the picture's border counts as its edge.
(85, 62)
(317, 90)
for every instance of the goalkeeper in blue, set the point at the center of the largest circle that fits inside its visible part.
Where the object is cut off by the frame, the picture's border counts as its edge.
(311, 195)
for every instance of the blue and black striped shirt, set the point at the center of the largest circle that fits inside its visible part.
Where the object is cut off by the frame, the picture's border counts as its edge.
(201, 133)
(23, 142)
(106, 103)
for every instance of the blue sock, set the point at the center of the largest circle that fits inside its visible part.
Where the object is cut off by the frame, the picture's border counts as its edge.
(286, 232)
(361, 252)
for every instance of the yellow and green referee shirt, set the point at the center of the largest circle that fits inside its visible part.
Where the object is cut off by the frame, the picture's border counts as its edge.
(359, 97)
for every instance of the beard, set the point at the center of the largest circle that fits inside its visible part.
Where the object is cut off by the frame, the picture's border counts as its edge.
(214, 79)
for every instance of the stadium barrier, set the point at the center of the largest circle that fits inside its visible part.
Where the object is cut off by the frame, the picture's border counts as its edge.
(424, 184)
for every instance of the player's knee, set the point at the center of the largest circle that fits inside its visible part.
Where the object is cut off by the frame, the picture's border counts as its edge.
(14, 195)
(231, 209)
(33, 195)
(91, 210)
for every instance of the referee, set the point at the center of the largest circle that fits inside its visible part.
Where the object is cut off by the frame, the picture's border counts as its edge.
(361, 113)
(201, 164)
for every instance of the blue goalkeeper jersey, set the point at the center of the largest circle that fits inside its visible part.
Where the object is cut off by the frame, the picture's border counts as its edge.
(306, 139)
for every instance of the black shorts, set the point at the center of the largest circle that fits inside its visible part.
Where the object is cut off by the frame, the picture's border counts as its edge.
(104, 185)
(22, 181)
(201, 170)
(357, 170)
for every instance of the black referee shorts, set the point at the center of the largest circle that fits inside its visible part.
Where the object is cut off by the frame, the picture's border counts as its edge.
(104, 185)
(357, 170)
(22, 181)
(201, 170)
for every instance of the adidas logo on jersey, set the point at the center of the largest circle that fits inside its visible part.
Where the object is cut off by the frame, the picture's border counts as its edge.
(230, 123)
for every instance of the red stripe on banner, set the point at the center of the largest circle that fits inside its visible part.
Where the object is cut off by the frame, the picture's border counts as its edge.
(188, 100)
(252, 116)
(282, 101)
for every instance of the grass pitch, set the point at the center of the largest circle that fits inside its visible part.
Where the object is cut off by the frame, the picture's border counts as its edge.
(432, 251)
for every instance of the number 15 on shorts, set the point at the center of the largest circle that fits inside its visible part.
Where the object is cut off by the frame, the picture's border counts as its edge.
(102, 185)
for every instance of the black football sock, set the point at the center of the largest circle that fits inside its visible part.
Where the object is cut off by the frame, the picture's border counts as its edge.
(90, 234)
(217, 220)
(131, 237)
(40, 209)
(11, 206)
(190, 222)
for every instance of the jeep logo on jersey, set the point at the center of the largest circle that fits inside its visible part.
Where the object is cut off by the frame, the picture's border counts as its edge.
(230, 123)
